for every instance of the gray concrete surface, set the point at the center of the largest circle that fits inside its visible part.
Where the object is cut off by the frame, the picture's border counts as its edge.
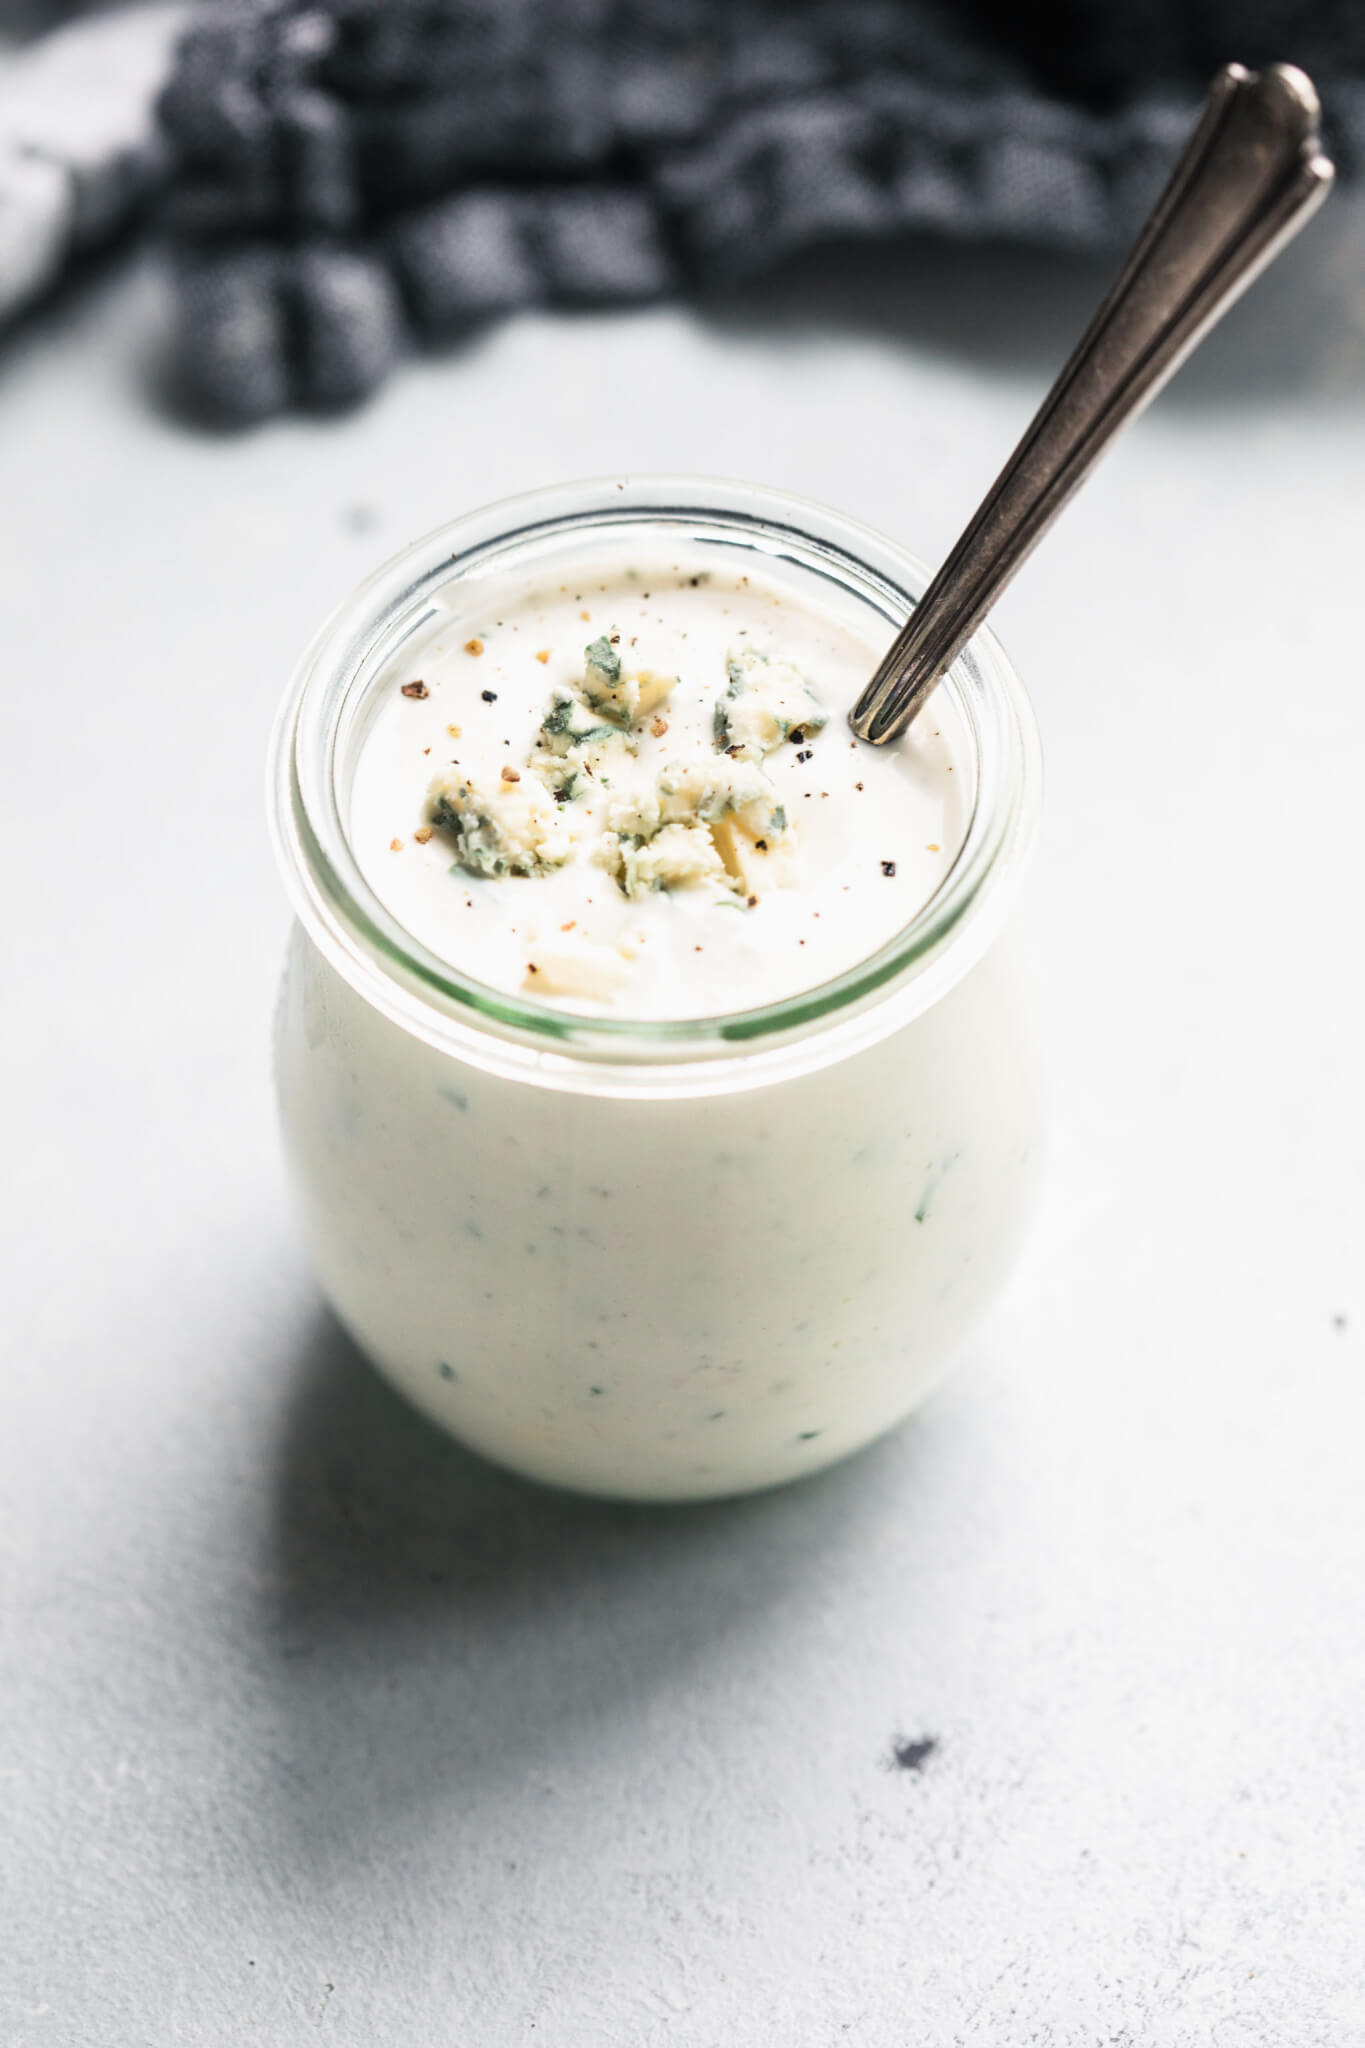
(311, 1727)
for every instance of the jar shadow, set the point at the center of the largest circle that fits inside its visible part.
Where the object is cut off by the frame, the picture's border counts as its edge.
(433, 1627)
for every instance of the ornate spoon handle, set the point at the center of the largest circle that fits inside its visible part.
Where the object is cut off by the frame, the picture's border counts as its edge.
(1251, 175)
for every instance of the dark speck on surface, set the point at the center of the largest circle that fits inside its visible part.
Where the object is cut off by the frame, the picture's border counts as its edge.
(359, 518)
(1340, 1322)
(909, 1754)
(807, 1435)
(447, 1372)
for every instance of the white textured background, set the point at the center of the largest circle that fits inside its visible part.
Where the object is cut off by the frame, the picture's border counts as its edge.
(310, 1727)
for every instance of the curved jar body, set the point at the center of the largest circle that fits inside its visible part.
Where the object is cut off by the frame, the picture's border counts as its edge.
(660, 1266)
(662, 1298)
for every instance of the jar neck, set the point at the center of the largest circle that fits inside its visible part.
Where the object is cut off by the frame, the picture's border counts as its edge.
(323, 721)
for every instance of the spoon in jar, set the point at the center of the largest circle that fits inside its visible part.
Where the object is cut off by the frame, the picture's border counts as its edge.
(1252, 173)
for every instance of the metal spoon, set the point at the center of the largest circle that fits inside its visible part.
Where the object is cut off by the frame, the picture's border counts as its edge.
(1251, 175)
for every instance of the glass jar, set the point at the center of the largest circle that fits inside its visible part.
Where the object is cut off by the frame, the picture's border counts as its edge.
(655, 1260)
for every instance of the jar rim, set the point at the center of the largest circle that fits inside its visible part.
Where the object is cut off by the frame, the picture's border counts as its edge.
(434, 1000)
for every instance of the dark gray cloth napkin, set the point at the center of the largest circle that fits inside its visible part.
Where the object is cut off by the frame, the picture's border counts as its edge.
(356, 171)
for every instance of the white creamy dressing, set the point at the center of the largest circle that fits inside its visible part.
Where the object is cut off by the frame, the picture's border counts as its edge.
(669, 1292)
(662, 1298)
(874, 829)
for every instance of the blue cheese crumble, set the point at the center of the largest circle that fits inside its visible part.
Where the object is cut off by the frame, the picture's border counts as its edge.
(766, 703)
(710, 823)
(510, 827)
(620, 692)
